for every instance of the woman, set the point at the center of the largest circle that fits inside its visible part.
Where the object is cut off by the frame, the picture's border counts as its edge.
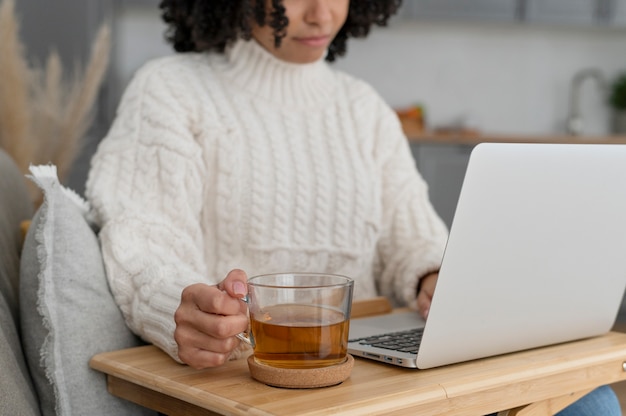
(254, 154)
(246, 151)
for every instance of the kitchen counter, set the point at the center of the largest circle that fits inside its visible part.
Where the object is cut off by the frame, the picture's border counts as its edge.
(471, 137)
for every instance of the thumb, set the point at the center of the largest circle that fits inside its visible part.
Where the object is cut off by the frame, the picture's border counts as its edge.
(236, 283)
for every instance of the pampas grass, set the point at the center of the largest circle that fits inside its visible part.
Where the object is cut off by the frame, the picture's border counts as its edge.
(15, 78)
(45, 115)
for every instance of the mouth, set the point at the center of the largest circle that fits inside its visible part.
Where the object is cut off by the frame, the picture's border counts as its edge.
(313, 41)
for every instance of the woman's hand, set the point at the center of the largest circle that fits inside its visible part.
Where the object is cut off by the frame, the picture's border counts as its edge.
(208, 318)
(425, 294)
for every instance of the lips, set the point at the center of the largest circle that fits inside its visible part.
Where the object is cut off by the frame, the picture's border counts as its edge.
(313, 41)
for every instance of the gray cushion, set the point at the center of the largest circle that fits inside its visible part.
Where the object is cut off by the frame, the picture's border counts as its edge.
(67, 311)
(17, 394)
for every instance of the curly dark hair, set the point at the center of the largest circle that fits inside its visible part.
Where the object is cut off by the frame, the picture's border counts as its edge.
(211, 25)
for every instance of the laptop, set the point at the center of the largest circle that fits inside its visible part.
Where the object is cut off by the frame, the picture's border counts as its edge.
(536, 256)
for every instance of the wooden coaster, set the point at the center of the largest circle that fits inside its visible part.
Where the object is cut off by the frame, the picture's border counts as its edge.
(305, 378)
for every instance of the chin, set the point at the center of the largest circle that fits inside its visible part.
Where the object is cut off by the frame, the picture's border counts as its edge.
(305, 58)
(300, 54)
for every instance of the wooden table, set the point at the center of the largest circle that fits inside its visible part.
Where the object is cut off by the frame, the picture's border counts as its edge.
(535, 382)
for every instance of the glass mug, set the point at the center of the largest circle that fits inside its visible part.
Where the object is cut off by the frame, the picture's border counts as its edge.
(299, 320)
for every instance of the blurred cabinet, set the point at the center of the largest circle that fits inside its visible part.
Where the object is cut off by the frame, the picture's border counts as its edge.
(559, 12)
(443, 167)
(479, 10)
(616, 10)
(584, 12)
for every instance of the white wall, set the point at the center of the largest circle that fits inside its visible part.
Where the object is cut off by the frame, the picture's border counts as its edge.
(501, 78)
(506, 78)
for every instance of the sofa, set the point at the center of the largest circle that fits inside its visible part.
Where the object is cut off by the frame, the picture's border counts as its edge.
(56, 309)
(17, 392)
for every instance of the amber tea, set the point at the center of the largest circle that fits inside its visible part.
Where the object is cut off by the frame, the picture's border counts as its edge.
(299, 336)
(299, 320)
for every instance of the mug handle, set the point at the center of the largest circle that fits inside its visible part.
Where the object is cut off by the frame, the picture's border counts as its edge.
(243, 336)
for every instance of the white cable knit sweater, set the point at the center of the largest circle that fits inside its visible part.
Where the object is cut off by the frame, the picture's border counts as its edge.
(241, 160)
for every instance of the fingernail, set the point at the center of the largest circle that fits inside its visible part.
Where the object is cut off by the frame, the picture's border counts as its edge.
(239, 288)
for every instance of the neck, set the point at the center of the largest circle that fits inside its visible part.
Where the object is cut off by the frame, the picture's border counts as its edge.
(257, 71)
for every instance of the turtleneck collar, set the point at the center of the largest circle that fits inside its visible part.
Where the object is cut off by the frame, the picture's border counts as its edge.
(257, 71)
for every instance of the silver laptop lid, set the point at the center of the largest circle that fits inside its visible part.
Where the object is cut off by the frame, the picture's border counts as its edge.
(536, 253)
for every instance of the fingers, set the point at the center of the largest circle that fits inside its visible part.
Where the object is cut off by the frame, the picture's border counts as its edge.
(211, 299)
(210, 343)
(207, 321)
(423, 304)
(425, 295)
(235, 283)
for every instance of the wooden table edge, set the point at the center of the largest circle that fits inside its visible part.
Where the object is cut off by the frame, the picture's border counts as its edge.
(605, 368)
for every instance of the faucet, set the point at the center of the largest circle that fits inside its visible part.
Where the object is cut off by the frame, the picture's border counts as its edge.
(574, 123)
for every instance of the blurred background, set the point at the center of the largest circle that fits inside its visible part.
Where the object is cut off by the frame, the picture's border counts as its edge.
(497, 68)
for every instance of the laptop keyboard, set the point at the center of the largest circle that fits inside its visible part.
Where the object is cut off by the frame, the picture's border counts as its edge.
(405, 341)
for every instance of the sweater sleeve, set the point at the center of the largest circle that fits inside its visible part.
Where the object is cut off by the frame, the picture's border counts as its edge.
(145, 186)
(413, 235)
